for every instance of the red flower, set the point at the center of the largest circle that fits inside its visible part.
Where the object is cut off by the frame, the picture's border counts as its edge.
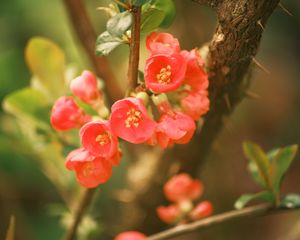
(90, 170)
(195, 104)
(162, 43)
(130, 120)
(132, 235)
(195, 75)
(182, 188)
(85, 87)
(202, 210)
(164, 73)
(170, 214)
(174, 127)
(98, 138)
(66, 114)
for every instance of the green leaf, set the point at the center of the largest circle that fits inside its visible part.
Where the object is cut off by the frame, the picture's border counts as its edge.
(255, 154)
(140, 2)
(106, 43)
(246, 198)
(119, 24)
(10, 235)
(291, 200)
(281, 160)
(151, 19)
(30, 105)
(168, 7)
(253, 169)
(47, 63)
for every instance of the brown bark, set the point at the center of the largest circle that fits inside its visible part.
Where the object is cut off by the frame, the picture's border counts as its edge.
(231, 50)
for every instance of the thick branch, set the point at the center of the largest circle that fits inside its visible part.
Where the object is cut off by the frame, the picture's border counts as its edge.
(231, 50)
(79, 212)
(134, 48)
(87, 37)
(254, 211)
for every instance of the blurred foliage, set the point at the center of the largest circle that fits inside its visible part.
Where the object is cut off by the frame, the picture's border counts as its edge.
(27, 194)
(268, 170)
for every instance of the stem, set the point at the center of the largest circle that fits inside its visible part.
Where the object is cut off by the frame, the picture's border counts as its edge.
(87, 36)
(79, 213)
(259, 210)
(134, 54)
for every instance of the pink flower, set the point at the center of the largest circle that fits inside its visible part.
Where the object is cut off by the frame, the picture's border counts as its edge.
(195, 104)
(174, 127)
(132, 235)
(195, 75)
(164, 73)
(182, 188)
(98, 138)
(130, 120)
(66, 114)
(162, 43)
(202, 210)
(90, 170)
(85, 87)
(170, 214)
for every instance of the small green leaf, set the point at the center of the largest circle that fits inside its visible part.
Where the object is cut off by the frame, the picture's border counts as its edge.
(291, 200)
(140, 2)
(168, 7)
(10, 235)
(253, 169)
(28, 104)
(47, 63)
(246, 198)
(119, 24)
(281, 160)
(106, 43)
(255, 154)
(151, 19)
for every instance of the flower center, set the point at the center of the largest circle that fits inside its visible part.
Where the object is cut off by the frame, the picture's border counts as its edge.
(164, 76)
(133, 118)
(103, 138)
(88, 169)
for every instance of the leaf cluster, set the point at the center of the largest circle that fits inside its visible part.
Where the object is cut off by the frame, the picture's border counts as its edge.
(268, 171)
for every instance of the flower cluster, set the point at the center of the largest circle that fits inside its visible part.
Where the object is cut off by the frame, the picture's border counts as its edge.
(100, 151)
(177, 84)
(182, 190)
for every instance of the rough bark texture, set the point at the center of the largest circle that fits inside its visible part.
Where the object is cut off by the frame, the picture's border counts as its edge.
(231, 50)
(87, 37)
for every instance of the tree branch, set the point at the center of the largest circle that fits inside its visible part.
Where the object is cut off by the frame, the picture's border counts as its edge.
(134, 48)
(87, 37)
(231, 50)
(254, 211)
(79, 212)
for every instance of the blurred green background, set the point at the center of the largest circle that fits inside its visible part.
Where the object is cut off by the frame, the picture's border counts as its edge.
(272, 120)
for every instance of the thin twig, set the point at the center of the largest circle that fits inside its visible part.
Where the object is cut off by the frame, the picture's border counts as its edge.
(79, 213)
(283, 8)
(259, 210)
(134, 48)
(87, 37)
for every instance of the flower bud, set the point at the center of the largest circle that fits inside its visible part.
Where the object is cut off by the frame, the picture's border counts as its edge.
(85, 87)
(66, 114)
(202, 210)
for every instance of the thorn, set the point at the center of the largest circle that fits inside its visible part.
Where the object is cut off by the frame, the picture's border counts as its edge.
(261, 25)
(258, 64)
(252, 95)
(285, 10)
(227, 101)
